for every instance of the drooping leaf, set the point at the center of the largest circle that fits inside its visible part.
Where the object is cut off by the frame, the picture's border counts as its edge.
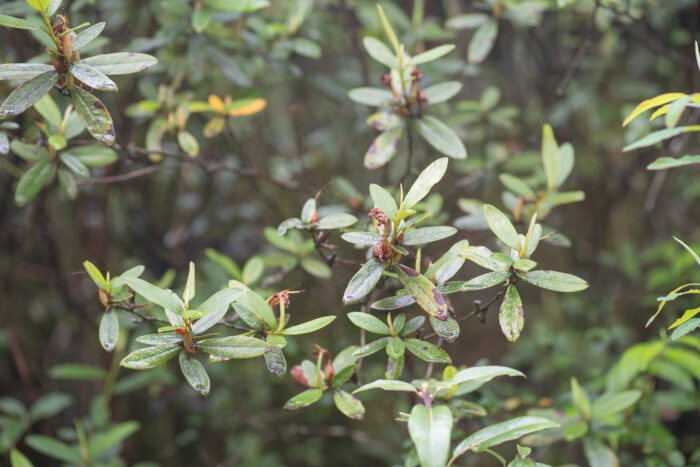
(28, 93)
(188, 143)
(121, 63)
(94, 115)
(651, 103)
(303, 399)
(195, 373)
(430, 431)
(510, 315)
(440, 137)
(150, 357)
(598, 454)
(32, 182)
(363, 282)
(447, 329)
(690, 250)
(425, 292)
(349, 405)
(275, 361)
(109, 330)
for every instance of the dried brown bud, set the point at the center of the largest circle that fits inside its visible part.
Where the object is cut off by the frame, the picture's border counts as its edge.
(378, 215)
(386, 79)
(417, 74)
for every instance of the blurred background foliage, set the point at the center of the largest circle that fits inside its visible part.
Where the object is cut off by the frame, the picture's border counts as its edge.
(579, 65)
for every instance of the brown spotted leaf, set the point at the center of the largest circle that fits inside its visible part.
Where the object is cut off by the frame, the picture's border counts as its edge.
(94, 115)
(425, 292)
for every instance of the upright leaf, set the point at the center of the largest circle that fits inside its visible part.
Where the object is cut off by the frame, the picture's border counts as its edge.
(363, 282)
(425, 292)
(425, 182)
(501, 226)
(550, 156)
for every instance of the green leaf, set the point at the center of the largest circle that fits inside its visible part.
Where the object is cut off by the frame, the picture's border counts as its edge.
(74, 164)
(303, 399)
(349, 405)
(372, 347)
(660, 135)
(159, 339)
(86, 36)
(481, 374)
(18, 23)
(663, 163)
(427, 235)
(440, 137)
(387, 385)
(393, 303)
(234, 347)
(363, 282)
(100, 442)
(373, 97)
(384, 201)
(395, 348)
(426, 294)
(510, 315)
(369, 323)
(399, 322)
(17, 459)
(599, 454)
(253, 270)
(338, 220)
(517, 186)
(188, 143)
(4, 143)
(502, 432)
(275, 361)
(93, 156)
(49, 110)
(690, 250)
(109, 330)
(362, 238)
(309, 326)
(580, 398)
(28, 93)
(92, 77)
(380, 52)
(566, 163)
(524, 265)
(394, 367)
(32, 182)
(501, 226)
(427, 351)
(122, 63)
(483, 257)
(291, 223)
(442, 92)
(431, 431)
(430, 176)
(150, 357)
(308, 211)
(485, 281)
(195, 373)
(553, 280)
(685, 328)
(482, 41)
(316, 268)
(467, 21)
(54, 448)
(165, 298)
(381, 121)
(201, 20)
(215, 308)
(49, 405)
(550, 156)
(94, 115)
(447, 329)
(53, 7)
(575, 431)
(383, 148)
(95, 275)
(40, 5)
(432, 54)
(612, 403)
(388, 29)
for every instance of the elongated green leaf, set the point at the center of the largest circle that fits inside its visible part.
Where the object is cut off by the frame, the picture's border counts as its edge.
(387, 385)
(440, 137)
(663, 163)
(362, 238)
(448, 329)
(39, 5)
(17, 459)
(393, 303)
(612, 403)
(349, 405)
(485, 281)
(553, 280)
(165, 298)
(372, 347)
(510, 315)
(109, 330)
(430, 431)
(685, 328)
(517, 186)
(432, 54)
(478, 373)
(501, 226)
(427, 351)
(425, 182)
(303, 399)
(94, 115)
(195, 373)
(74, 164)
(121, 63)
(309, 326)
(28, 93)
(383, 148)
(215, 308)
(425, 292)
(690, 250)
(159, 339)
(598, 454)
(87, 35)
(380, 52)
(373, 97)
(442, 92)
(22, 71)
(427, 235)
(660, 135)
(49, 405)
(363, 282)
(483, 257)
(502, 432)
(188, 143)
(580, 397)
(550, 156)
(18, 23)
(338, 220)
(234, 347)
(76, 371)
(54, 448)
(150, 357)
(395, 348)
(482, 42)
(100, 442)
(651, 103)
(369, 323)
(32, 182)
(93, 156)
(383, 200)
(467, 21)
